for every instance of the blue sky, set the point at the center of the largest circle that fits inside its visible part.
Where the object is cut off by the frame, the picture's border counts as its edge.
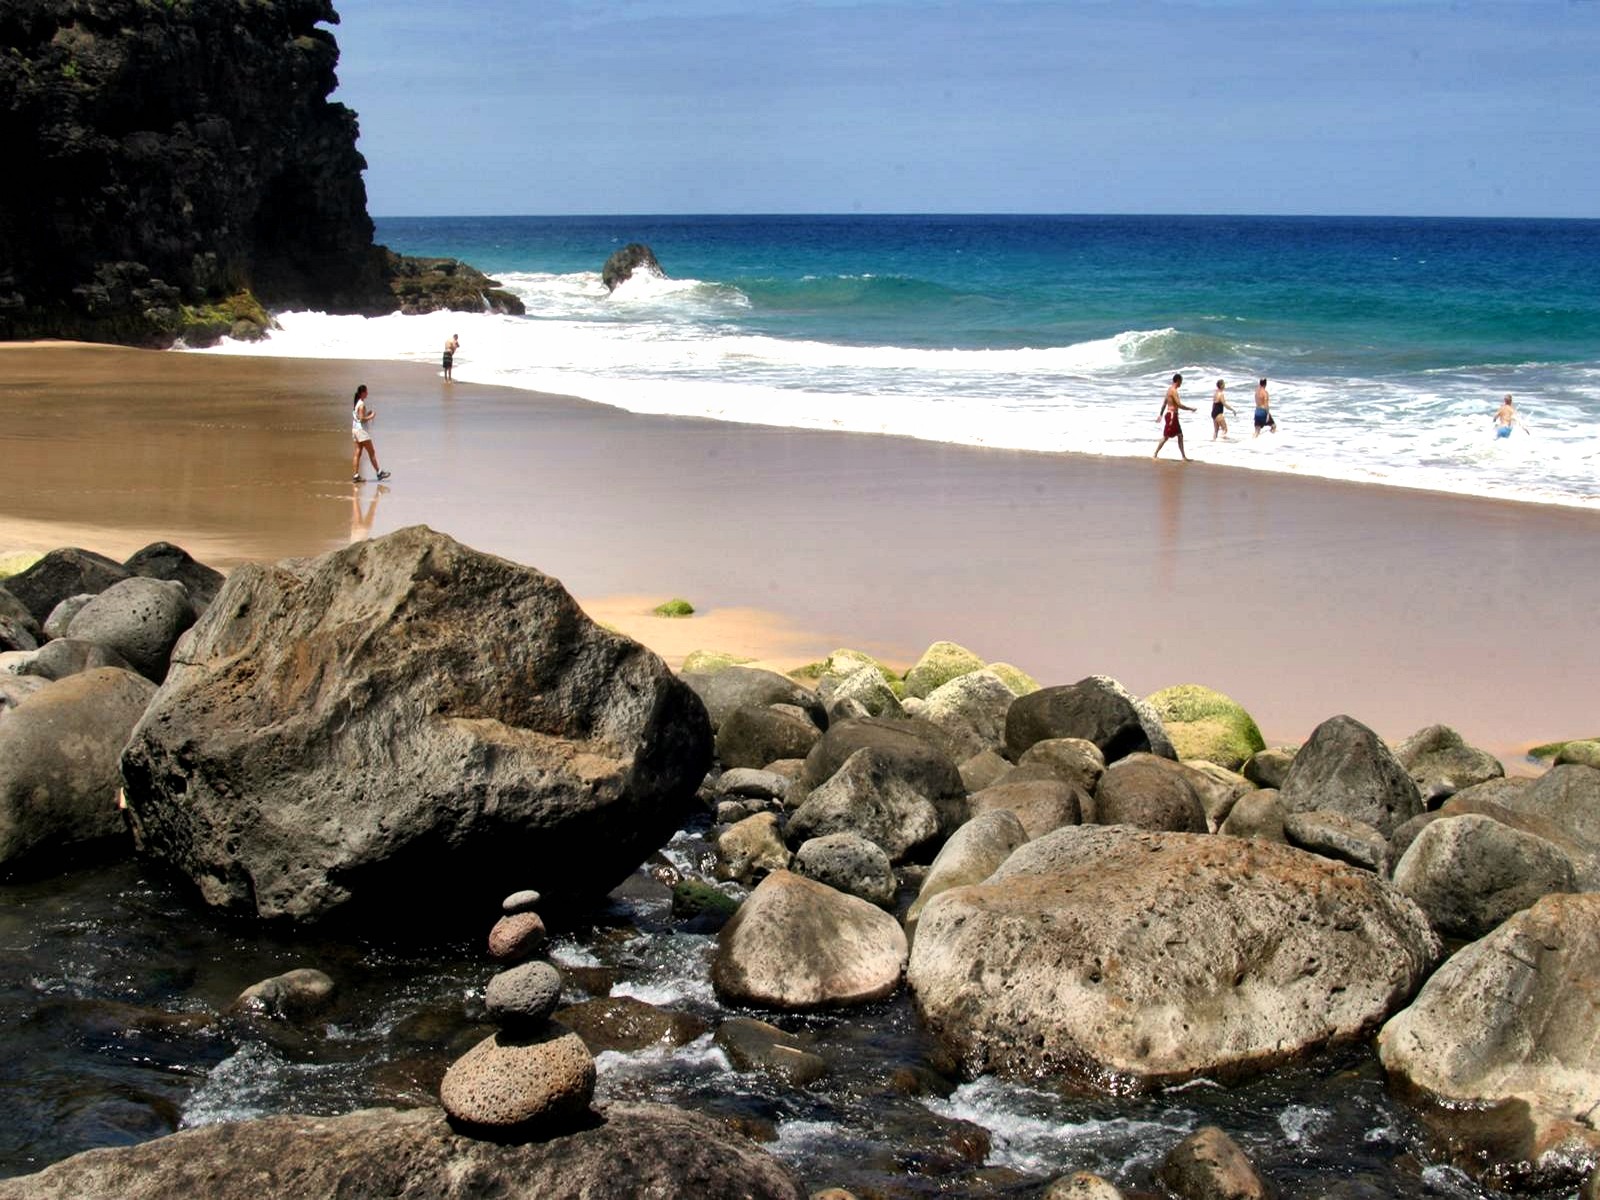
(1197, 106)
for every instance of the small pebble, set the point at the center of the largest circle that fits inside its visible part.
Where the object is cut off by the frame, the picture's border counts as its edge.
(520, 902)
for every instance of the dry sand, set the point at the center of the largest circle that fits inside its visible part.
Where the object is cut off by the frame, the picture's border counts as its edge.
(1300, 598)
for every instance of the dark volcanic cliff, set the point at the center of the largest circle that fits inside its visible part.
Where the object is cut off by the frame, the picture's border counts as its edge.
(165, 156)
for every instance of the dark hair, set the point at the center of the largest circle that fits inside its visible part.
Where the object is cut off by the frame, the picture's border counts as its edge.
(1177, 379)
(361, 390)
(1263, 381)
(1222, 383)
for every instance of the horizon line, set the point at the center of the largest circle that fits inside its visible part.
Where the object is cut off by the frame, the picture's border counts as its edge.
(1294, 216)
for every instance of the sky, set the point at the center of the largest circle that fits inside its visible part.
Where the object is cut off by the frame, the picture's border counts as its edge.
(510, 107)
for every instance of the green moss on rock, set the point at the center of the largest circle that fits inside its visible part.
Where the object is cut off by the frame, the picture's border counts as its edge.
(709, 662)
(1582, 751)
(939, 664)
(691, 898)
(1206, 724)
(239, 316)
(676, 607)
(1015, 678)
(1551, 750)
(844, 662)
(17, 562)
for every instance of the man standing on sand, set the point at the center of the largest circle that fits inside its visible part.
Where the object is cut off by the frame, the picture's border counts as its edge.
(1506, 419)
(450, 348)
(360, 416)
(1264, 410)
(1169, 418)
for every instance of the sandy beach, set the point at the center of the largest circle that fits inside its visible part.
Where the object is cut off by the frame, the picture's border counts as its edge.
(1300, 598)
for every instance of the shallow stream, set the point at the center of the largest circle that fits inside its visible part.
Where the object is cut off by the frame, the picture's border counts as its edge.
(114, 976)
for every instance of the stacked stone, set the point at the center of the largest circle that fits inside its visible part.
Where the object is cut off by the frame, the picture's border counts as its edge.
(529, 1079)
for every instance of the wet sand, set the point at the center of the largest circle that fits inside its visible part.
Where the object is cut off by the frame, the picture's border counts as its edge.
(1300, 598)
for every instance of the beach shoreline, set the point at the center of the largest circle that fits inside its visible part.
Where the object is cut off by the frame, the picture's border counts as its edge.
(1300, 597)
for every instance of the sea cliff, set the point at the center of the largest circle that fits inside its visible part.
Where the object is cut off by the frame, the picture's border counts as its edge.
(176, 167)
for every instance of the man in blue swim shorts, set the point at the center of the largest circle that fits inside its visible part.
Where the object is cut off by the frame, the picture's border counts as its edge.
(1264, 410)
(1506, 419)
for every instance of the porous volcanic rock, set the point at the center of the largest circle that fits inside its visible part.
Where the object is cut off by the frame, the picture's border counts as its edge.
(652, 1149)
(534, 1085)
(141, 619)
(849, 863)
(971, 709)
(798, 944)
(335, 730)
(523, 996)
(1122, 959)
(163, 560)
(1501, 1048)
(910, 752)
(59, 750)
(1345, 767)
(973, 853)
(1040, 804)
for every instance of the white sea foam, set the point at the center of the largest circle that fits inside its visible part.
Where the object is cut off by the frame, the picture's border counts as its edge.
(672, 346)
(1027, 1134)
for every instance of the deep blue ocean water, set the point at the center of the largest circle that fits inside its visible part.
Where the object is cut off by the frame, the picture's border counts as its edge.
(1388, 341)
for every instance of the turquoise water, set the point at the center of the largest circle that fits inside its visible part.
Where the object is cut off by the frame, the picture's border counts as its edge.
(1388, 342)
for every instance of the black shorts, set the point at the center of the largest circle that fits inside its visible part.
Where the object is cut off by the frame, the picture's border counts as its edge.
(448, 359)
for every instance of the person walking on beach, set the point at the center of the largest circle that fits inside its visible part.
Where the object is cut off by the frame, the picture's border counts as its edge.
(1219, 423)
(360, 417)
(1264, 410)
(1506, 419)
(1169, 418)
(450, 348)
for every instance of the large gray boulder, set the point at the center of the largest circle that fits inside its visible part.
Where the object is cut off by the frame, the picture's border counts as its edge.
(797, 944)
(738, 687)
(1097, 709)
(60, 574)
(70, 656)
(866, 796)
(1334, 835)
(1469, 873)
(141, 619)
(1149, 793)
(637, 1150)
(1345, 767)
(1121, 959)
(1441, 763)
(971, 709)
(412, 724)
(59, 755)
(1075, 760)
(1506, 1028)
(163, 560)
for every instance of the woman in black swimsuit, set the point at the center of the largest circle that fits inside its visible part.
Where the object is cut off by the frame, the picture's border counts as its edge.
(1219, 423)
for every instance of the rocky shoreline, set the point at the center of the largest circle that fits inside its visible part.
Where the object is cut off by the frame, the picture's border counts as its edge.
(1078, 888)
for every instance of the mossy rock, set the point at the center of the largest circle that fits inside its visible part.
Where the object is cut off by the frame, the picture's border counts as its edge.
(17, 562)
(843, 663)
(709, 662)
(1015, 678)
(939, 664)
(239, 316)
(1584, 751)
(676, 607)
(691, 898)
(1550, 750)
(1205, 724)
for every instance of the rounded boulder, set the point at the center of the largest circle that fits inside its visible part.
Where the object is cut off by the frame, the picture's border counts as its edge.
(530, 1086)
(797, 944)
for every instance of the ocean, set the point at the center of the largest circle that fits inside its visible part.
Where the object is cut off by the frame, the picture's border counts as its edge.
(1388, 342)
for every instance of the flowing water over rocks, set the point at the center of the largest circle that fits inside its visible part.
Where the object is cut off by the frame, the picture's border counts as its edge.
(115, 980)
